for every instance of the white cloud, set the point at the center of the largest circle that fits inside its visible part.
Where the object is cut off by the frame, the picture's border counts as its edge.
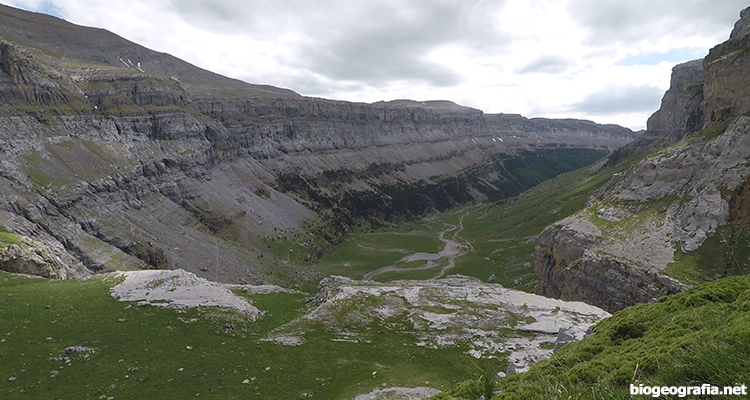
(604, 61)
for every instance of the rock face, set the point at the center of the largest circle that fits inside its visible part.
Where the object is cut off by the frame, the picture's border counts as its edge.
(125, 158)
(35, 258)
(571, 264)
(682, 108)
(617, 252)
(727, 89)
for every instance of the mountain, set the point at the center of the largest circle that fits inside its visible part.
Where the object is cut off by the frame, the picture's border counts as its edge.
(676, 216)
(118, 157)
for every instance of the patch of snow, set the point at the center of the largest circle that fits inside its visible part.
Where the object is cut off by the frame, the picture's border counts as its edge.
(123, 62)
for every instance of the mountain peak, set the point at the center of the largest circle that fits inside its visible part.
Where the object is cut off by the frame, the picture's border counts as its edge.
(742, 26)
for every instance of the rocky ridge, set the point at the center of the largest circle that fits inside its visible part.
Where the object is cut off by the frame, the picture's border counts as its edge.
(119, 157)
(622, 249)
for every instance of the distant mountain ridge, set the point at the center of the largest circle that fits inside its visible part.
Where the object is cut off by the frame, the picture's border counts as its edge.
(99, 46)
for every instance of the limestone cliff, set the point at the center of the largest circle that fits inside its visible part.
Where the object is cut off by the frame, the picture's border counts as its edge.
(644, 232)
(727, 70)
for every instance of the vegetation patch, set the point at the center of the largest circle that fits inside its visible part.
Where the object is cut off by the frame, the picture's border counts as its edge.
(712, 132)
(722, 254)
(388, 203)
(8, 238)
(500, 236)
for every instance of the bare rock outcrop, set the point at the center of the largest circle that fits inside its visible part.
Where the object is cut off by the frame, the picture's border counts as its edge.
(682, 109)
(34, 258)
(614, 253)
(570, 265)
(443, 313)
(177, 289)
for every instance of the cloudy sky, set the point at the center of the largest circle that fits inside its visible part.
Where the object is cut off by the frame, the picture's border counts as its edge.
(604, 60)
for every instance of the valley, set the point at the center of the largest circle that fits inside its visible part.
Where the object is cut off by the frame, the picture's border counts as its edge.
(168, 232)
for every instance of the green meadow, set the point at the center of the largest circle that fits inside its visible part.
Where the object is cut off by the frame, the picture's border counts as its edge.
(147, 352)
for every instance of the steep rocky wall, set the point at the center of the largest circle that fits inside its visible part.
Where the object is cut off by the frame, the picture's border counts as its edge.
(681, 111)
(158, 191)
(569, 266)
(727, 70)
(270, 129)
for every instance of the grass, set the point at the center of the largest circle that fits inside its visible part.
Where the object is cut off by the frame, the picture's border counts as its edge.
(416, 241)
(147, 355)
(406, 274)
(721, 254)
(368, 249)
(37, 169)
(699, 336)
(66, 161)
(8, 238)
(711, 132)
(351, 260)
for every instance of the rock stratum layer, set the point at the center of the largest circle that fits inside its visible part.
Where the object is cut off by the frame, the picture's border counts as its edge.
(664, 222)
(119, 157)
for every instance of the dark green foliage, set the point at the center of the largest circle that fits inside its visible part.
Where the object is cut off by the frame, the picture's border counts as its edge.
(526, 170)
(148, 253)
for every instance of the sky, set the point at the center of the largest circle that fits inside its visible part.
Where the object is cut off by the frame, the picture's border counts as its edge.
(603, 60)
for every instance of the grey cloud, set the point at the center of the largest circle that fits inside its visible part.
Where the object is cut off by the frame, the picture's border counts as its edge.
(227, 16)
(629, 21)
(372, 41)
(385, 48)
(620, 99)
(545, 64)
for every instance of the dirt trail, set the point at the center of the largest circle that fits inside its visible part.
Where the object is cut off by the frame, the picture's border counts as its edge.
(451, 250)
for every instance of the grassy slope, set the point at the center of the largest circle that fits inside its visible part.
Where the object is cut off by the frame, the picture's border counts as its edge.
(141, 357)
(699, 336)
